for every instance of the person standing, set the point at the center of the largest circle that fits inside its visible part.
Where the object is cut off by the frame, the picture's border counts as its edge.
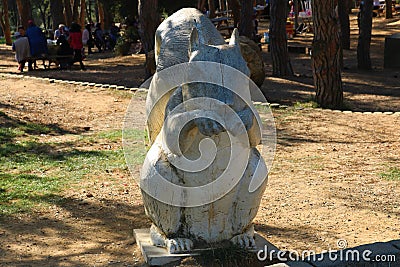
(98, 37)
(37, 42)
(75, 42)
(87, 38)
(22, 50)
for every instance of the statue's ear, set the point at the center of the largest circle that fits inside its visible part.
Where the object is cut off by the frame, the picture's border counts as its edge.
(234, 38)
(194, 42)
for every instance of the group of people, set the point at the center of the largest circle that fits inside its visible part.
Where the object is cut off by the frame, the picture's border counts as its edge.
(28, 45)
(70, 43)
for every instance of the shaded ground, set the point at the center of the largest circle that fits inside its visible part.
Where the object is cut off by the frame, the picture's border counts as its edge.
(326, 183)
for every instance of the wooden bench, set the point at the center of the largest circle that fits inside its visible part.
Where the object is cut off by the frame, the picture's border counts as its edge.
(50, 59)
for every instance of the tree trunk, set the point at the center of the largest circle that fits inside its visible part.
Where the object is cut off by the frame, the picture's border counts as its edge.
(89, 11)
(57, 15)
(343, 11)
(234, 5)
(364, 38)
(148, 21)
(107, 14)
(5, 23)
(42, 12)
(201, 4)
(96, 10)
(222, 5)
(211, 7)
(277, 33)
(24, 12)
(388, 9)
(75, 10)
(101, 13)
(296, 15)
(246, 27)
(326, 55)
(67, 12)
(82, 14)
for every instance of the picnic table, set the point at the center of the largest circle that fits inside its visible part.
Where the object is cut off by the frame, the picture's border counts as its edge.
(52, 56)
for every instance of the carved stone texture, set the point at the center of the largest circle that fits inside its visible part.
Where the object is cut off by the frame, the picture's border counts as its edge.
(252, 54)
(188, 36)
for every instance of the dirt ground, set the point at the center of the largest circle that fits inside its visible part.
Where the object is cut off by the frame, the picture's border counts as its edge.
(325, 184)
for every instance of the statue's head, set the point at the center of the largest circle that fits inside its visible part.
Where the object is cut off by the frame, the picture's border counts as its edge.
(227, 54)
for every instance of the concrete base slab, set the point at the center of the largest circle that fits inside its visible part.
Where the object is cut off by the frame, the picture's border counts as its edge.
(157, 256)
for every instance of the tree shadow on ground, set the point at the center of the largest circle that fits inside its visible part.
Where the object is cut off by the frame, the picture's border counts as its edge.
(115, 217)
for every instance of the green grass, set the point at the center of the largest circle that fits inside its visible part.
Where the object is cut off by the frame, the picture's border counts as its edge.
(307, 104)
(392, 174)
(34, 172)
(3, 40)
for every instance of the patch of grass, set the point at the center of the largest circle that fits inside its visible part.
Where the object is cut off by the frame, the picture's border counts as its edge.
(307, 104)
(111, 135)
(392, 174)
(35, 173)
(20, 192)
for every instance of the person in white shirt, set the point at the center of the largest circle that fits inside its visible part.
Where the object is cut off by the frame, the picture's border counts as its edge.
(59, 31)
(22, 50)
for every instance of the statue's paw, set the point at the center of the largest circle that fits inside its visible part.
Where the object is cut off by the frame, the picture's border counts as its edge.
(179, 245)
(244, 240)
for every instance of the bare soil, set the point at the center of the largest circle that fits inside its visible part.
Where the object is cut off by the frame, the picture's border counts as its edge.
(325, 184)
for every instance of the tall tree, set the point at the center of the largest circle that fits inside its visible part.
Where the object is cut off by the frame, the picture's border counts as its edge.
(246, 27)
(82, 13)
(388, 9)
(57, 16)
(106, 13)
(100, 10)
(343, 12)
(148, 20)
(277, 33)
(234, 5)
(75, 10)
(43, 8)
(211, 7)
(222, 6)
(24, 12)
(296, 15)
(67, 12)
(201, 4)
(5, 22)
(364, 38)
(326, 55)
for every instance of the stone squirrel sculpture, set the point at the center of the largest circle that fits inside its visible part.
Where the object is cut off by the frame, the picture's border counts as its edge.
(189, 36)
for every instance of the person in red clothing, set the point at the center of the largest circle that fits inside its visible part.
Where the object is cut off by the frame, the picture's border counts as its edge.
(75, 41)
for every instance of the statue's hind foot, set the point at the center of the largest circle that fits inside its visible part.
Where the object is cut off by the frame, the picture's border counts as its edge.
(245, 240)
(173, 245)
(179, 245)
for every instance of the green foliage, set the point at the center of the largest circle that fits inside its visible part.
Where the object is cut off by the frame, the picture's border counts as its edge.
(392, 174)
(3, 40)
(124, 42)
